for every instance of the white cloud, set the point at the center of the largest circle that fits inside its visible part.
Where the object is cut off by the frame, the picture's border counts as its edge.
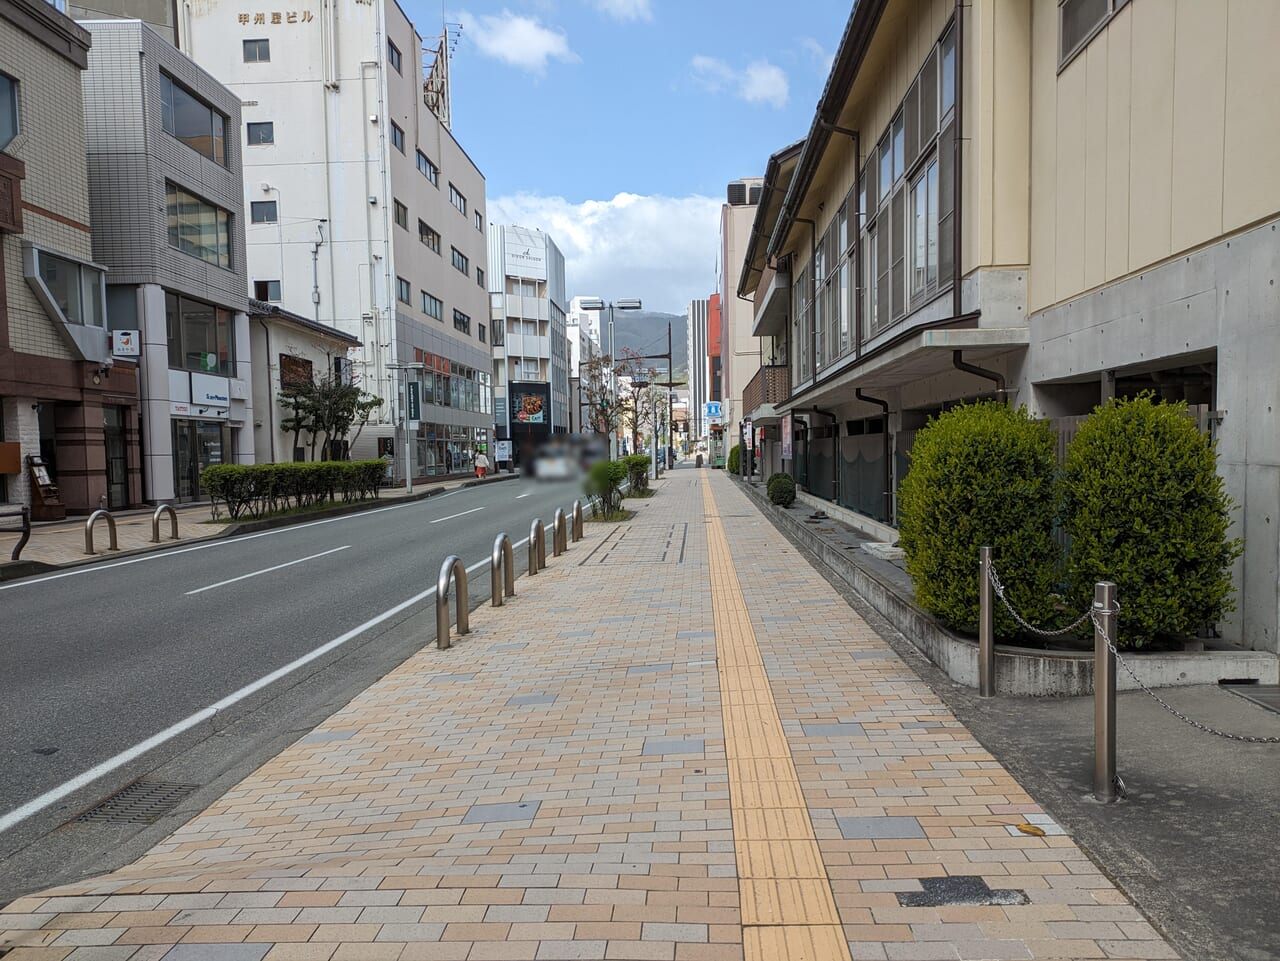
(625, 10)
(516, 40)
(759, 82)
(660, 249)
(823, 58)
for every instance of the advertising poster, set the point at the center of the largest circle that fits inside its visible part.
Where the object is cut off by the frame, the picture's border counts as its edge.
(530, 404)
(786, 437)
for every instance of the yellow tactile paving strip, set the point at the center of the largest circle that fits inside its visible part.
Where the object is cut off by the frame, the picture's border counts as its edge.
(788, 910)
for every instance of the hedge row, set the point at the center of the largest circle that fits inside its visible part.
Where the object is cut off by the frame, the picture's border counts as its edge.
(256, 490)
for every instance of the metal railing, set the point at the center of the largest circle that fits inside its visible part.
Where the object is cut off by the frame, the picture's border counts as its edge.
(502, 570)
(451, 570)
(24, 528)
(155, 522)
(537, 546)
(559, 535)
(577, 521)
(97, 515)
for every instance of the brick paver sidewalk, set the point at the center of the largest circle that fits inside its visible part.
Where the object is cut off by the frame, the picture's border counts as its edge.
(621, 763)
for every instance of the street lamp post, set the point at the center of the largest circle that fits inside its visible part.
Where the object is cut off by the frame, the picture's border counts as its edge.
(626, 303)
(404, 421)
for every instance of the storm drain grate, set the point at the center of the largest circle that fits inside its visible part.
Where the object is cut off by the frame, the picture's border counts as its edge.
(142, 802)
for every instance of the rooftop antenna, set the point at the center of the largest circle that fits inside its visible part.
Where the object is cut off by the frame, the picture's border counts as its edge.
(435, 87)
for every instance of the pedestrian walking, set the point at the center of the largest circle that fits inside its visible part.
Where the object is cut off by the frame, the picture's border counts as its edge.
(482, 464)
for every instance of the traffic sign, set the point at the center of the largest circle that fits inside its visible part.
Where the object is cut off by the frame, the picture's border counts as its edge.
(713, 408)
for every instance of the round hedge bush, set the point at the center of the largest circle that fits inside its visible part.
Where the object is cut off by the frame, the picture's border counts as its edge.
(781, 489)
(1144, 507)
(735, 455)
(982, 475)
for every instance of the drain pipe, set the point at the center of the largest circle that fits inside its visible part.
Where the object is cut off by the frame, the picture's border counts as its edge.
(957, 145)
(888, 452)
(271, 401)
(957, 361)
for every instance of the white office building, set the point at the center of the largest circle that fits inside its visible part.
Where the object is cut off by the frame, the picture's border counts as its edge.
(699, 369)
(362, 211)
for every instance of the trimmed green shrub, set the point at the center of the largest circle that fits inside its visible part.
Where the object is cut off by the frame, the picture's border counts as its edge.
(735, 459)
(781, 489)
(637, 466)
(982, 475)
(1144, 507)
(256, 490)
(603, 485)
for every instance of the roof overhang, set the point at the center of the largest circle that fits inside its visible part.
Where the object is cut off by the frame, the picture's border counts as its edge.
(777, 179)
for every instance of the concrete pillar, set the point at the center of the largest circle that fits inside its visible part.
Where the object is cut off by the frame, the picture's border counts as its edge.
(242, 437)
(153, 373)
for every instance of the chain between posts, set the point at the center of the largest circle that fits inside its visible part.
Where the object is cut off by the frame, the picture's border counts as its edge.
(1092, 616)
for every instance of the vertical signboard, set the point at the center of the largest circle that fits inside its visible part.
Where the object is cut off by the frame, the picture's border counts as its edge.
(786, 437)
(413, 404)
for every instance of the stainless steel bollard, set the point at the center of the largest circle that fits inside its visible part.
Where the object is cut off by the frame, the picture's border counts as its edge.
(986, 627)
(1104, 693)
(559, 535)
(577, 521)
(452, 569)
(502, 567)
(111, 531)
(537, 546)
(155, 522)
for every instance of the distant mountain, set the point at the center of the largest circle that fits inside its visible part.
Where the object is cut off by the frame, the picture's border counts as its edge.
(645, 331)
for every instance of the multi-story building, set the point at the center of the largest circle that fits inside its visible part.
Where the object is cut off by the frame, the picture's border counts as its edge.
(740, 350)
(63, 401)
(699, 368)
(1050, 203)
(165, 188)
(584, 349)
(364, 213)
(531, 353)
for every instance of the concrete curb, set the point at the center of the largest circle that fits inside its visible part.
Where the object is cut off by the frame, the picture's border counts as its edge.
(1021, 672)
(16, 570)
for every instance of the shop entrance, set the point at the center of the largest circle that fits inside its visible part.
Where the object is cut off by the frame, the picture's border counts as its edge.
(117, 457)
(197, 444)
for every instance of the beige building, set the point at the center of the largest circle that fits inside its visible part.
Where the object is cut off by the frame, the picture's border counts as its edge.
(740, 348)
(1052, 202)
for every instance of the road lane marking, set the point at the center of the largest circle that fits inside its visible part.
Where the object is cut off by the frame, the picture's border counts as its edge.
(525, 494)
(54, 795)
(441, 520)
(267, 570)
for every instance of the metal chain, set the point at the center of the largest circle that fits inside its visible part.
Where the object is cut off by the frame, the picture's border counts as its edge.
(998, 587)
(1248, 738)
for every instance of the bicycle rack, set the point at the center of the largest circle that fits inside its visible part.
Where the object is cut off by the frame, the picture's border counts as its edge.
(559, 539)
(111, 531)
(451, 569)
(24, 529)
(577, 521)
(537, 546)
(502, 570)
(155, 522)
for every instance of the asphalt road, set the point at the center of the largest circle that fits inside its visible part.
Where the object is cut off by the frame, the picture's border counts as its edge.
(95, 662)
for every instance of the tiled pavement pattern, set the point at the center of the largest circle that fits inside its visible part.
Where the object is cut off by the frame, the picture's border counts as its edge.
(556, 786)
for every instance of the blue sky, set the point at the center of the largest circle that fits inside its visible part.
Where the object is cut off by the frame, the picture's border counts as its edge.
(615, 124)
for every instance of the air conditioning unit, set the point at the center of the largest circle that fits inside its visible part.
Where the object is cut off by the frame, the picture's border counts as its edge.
(737, 193)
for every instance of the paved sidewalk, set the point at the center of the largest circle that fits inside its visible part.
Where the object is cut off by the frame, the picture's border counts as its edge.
(623, 762)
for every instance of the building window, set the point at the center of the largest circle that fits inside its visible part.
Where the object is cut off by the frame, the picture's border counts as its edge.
(200, 336)
(457, 199)
(924, 230)
(428, 169)
(479, 221)
(432, 306)
(460, 261)
(481, 332)
(257, 51)
(198, 228)
(8, 109)
(461, 322)
(947, 82)
(268, 290)
(428, 236)
(480, 276)
(262, 211)
(402, 215)
(402, 291)
(67, 288)
(397, 136)
(191, 120)
(1079, 21)
(394, 58)
(260, 134)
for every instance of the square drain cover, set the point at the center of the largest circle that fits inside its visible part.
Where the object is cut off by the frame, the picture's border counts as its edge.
(142, 802)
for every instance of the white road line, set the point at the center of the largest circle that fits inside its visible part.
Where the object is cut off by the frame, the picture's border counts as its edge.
(54, 795)
(525, 494)
(267, 570)
(441, 520)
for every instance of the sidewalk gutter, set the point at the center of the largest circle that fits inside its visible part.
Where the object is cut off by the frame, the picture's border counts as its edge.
(16, 570)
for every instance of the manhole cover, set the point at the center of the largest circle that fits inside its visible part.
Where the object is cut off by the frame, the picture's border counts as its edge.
(142, 802)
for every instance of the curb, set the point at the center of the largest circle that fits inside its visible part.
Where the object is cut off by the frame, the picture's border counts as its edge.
(16, 570)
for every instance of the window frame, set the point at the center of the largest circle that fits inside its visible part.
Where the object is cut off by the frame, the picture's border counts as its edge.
(401, 214)
(461, 262)
(90, 281)
(270, 127)
(261, 205)
(461, 322)
(432, 306)
(397, 136)
(268, 298)
(179, 301)
(1065, 57)
(479, 218)
(458, 199)
(429, 237)
(431, 171)
(256, 40)
(404, 291)
(10, 104)
(224, 226)
(395, 57)
(171, 119)
(480, 277)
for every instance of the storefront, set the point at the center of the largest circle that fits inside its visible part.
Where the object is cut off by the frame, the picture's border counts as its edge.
(449, 448)
(197, 444)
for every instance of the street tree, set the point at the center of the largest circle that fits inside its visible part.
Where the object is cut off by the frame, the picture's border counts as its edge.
(327, 409)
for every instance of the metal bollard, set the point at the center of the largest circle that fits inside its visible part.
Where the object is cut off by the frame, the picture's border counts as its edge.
(111, 531)
(577, 521)
(537, 546)
(502, 568)
(451, 569)
(1104, 693)
(155, 522)
(559, 536)
(23, 528)
(986, 627)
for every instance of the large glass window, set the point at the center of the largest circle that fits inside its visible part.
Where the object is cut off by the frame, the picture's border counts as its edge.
(199, 228)
(200, 336)
(191, 120)
(75, 288)
(8, 109)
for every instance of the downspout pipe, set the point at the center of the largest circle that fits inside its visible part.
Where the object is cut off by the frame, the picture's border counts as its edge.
(957, 146)
(958, 362)
(888, 451)
(271, 401)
